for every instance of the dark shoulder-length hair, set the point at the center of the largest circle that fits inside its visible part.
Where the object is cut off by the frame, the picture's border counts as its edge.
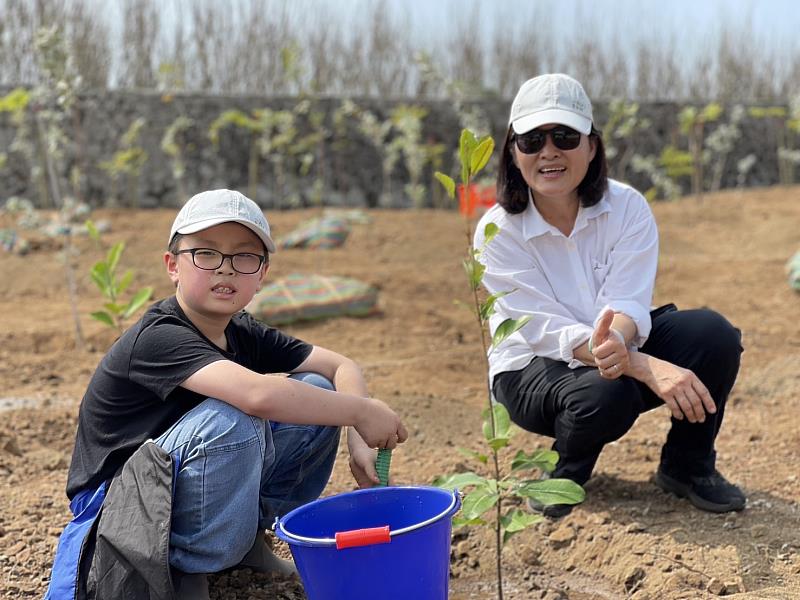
(512, 190)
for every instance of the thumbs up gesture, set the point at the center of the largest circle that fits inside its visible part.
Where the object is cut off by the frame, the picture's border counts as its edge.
(608, 348)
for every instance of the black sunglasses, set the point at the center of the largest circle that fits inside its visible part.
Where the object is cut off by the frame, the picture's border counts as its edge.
(564, 138)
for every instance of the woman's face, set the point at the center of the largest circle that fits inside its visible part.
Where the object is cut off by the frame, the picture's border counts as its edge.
(552, 173)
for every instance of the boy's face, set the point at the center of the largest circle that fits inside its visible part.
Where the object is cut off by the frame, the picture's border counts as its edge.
(221, 292)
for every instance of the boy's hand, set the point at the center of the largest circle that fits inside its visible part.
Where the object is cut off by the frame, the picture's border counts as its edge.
(379, 426)
(362, 461)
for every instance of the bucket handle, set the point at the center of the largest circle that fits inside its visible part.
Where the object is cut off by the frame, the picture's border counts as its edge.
(363, 537)
(359, 537)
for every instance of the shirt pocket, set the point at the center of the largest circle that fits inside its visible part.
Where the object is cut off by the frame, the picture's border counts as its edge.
(600, 271)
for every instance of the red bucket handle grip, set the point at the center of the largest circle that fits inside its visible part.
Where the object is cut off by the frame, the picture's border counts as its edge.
(362, 537)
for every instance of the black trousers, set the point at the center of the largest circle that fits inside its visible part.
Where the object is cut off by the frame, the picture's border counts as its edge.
(584, 412)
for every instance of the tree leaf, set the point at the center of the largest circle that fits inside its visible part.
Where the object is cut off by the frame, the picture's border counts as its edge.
(502, 422)
(491, 230)
(113, 256)
(474, 455)
(517, 520)
(474, 270)
(478, 501)
(125, 281)
(487, 306)
(481, 155)
(459, 521)
(104, 317)
(498, 443)
(99, 275)
(466, 145)
(553, 491)
(114, 308)
(544, 460)
(137, 301)
(506, 328)
(459, 480)
(447, 182)
(92, 229)
(502, 434)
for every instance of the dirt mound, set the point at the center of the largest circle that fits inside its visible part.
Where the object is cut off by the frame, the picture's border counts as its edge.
(421, 353)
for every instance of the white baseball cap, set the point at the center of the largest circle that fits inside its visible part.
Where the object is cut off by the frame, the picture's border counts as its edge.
(552, 98)
(213, 207)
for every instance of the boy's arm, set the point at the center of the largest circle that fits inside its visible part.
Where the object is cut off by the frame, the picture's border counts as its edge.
(347, 377)
(289, 401)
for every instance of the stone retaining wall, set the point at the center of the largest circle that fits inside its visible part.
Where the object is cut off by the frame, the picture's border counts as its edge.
(347, 164)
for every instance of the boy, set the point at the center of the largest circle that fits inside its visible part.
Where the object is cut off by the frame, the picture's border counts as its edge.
(195, 374)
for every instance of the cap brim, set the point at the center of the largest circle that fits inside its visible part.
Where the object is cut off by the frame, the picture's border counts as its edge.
(552, 116)
(201, 225)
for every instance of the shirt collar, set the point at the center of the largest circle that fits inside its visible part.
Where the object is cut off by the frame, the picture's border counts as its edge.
(534, 225)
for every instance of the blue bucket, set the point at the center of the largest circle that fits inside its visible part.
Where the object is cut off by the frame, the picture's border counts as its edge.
(384, 542)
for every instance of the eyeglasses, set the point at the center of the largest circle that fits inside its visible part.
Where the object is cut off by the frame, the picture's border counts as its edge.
(207, 259)
(564, 138)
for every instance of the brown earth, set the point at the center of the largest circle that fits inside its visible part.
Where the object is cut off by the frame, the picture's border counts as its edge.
(629, 540)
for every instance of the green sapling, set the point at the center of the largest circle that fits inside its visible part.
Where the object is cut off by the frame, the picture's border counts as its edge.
(487, 494)
(104, 275)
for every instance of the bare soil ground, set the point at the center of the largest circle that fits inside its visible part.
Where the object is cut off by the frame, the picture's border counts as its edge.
(629, 540)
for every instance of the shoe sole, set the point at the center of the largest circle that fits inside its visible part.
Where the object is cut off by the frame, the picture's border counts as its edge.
(551, 511)
(684, 490)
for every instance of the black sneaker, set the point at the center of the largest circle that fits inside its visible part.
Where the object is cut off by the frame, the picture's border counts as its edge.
(551, 511)
(712, 493)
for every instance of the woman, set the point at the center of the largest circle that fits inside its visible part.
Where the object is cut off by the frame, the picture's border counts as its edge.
(580, 252)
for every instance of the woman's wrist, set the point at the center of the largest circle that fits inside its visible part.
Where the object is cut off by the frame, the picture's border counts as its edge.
(619, 335)
(639, 367)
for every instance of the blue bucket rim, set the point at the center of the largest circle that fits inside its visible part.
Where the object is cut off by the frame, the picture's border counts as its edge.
(456, 497)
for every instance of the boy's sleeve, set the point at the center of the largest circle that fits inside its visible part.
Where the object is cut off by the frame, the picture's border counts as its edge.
(275, 351)
(166, 354)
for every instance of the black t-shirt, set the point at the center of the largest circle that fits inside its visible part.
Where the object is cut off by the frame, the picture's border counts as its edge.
(135, 394)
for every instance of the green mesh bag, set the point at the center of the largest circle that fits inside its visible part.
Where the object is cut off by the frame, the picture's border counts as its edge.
(320, 232)
(299, 297)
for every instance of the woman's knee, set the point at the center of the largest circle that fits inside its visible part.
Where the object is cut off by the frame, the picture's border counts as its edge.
(604, 410)
(713, 335)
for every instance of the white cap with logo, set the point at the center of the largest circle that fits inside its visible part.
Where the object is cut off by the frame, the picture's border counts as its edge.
(553, 98)
(213, 207)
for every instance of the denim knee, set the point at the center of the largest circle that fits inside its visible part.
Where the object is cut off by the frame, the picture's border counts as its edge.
(216, 498)
(314, 379)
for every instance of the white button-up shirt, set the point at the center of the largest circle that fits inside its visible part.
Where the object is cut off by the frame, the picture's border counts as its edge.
(565, 283)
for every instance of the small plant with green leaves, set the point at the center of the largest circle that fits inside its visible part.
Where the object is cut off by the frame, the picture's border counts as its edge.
(743, 167)
(252, 125)
(127, 161)
(17, 105)
(173, 145)
(407, 121)
(104, 275)
(662, 184)
(504, 487)
(786, 123)
(721, 142)
(378, 132)
(624, 121)
(692, 123)
(53, 101)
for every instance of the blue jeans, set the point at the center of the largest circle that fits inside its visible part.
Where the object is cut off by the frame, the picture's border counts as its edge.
(237, 473)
